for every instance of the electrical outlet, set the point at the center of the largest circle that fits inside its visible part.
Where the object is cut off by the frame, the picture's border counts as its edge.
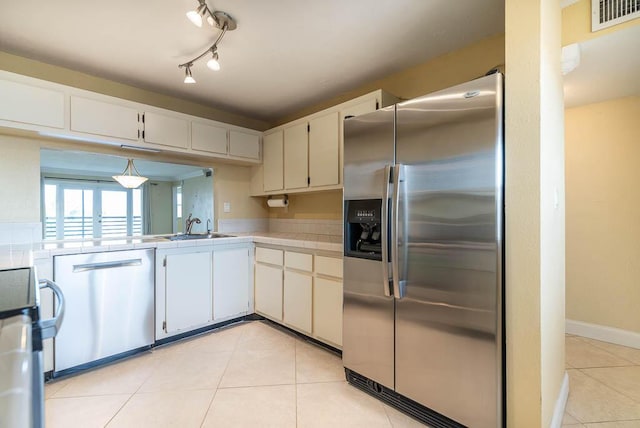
(227, 207)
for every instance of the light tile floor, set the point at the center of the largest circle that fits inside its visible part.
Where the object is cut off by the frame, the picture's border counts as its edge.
(254, 374)
(247, 375)
(604, 385)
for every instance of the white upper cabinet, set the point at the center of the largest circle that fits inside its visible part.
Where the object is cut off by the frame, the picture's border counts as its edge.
(244, 145)
(166, 130)
(29, 104)
(367, 106)
(324, 151)
(272, 160)
(75, 114)
(296, 152)
(102, 118)
(208, 138)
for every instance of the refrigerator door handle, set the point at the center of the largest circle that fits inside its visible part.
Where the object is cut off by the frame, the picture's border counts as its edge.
(384, 221)
(398, 284)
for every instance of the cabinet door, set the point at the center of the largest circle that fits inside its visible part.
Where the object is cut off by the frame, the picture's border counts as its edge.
(327, 310)
(188, 291)
(296, 152)
(100, 118)
(166, 130)
(297, 300)
(244, 145)
(268, 291)
(230, 283)
(324, 151)
(29, 104)
(208, 138)
(272, 161)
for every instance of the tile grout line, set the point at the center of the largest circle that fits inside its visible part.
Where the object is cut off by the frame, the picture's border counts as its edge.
(608, 386)
(587, 340)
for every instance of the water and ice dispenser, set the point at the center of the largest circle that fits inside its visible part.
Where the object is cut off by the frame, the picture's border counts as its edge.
(362, 229)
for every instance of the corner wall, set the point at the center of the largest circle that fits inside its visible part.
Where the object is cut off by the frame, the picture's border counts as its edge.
(534, 229)
(603, 208)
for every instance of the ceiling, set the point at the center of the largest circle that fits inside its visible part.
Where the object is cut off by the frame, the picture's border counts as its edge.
(99, 165)
(284, 55)
(609, 68)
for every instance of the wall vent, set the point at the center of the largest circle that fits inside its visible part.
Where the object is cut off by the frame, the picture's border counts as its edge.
(606, 13)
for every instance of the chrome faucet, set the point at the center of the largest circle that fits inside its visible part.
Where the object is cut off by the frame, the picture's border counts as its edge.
(189, 224)
(208, 225)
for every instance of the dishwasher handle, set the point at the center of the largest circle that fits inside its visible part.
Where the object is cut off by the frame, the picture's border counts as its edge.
(106, 265)
(49, 328)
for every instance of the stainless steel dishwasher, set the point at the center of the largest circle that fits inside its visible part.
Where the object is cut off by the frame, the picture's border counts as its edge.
(110, 306)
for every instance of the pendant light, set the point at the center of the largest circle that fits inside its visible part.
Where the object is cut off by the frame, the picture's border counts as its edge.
(128, 179)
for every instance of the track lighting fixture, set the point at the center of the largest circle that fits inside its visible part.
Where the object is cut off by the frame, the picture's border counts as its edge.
(188, 78)
(217, 19)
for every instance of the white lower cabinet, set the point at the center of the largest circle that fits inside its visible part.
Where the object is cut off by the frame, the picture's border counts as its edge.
(230, 283)
(188, 291)
(298, 294)
(200, 286)
(301, 290)
(327, 310)
(268, 291)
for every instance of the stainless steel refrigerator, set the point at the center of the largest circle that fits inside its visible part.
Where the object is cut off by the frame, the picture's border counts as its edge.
(423, 246)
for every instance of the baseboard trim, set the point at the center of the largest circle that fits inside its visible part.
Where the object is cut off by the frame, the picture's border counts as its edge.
(561, 402)
(603, 333)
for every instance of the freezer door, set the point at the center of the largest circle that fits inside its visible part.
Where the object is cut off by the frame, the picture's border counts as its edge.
(449, 314)
(368, 317)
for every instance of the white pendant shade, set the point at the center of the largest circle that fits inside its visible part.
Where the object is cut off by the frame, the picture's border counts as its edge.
(128, 179)
(213, 64)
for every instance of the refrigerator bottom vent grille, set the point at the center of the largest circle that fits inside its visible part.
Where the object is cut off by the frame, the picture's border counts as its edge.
(410, 407)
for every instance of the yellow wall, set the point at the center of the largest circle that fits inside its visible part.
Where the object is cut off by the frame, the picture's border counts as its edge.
(603, 212)
(534, 226)
(19, 180)
(576, 23)
(65, 76)
(447, 70)
(323, 205)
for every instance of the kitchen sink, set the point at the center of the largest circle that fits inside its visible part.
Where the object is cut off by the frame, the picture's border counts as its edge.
(184, 237)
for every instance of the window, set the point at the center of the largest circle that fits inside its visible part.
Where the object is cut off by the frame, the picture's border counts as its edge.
(87, 209)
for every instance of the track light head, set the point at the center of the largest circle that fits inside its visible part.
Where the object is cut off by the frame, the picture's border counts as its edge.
(195, 16)
(188, 78)
(213, 63)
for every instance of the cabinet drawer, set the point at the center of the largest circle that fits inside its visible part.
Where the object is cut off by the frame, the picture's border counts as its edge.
(269, 255)
(299, 261)
(331, 266)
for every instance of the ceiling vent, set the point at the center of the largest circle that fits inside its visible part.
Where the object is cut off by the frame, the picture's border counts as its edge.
(606, 13)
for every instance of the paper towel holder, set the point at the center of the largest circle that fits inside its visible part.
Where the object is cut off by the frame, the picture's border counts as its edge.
(278, 202)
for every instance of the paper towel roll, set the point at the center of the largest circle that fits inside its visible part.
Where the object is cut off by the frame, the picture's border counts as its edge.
(277, 203)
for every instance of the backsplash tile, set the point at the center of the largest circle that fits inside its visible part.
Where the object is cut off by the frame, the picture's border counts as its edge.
(309, 226)
(244, 225)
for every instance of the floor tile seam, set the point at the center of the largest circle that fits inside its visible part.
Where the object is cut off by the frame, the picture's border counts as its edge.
(603, 367)
(213, 397)
(320, 382)
(119, 410)
(110, 394)
(585, 340)
(256, 386)
(608, 386)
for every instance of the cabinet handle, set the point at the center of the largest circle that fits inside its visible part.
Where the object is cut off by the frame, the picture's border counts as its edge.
(106, 265)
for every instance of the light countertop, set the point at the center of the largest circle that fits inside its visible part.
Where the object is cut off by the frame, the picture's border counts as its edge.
(20, 255)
